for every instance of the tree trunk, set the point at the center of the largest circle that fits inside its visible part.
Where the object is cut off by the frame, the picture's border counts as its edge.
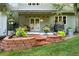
(76, 15)
(78, 22)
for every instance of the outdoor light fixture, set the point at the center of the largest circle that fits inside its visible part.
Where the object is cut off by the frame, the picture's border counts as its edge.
(11, 21)
(41, 20)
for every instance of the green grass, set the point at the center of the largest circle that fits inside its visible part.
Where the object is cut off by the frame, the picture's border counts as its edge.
(66, 48)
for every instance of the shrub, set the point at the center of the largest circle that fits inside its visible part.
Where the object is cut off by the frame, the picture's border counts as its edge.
(46, 29)
(61, 33)
(20, 32)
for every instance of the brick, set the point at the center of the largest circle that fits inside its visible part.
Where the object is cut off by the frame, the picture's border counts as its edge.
(42, 43)
(9, 43)
(27, 41)
(28, 45)
(18, 41)
(32, 42)
(8, 40)
(50, 40)
(21, 46)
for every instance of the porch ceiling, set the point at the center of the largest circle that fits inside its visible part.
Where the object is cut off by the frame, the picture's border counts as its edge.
(42, 15)
(35, 13)
(38, 13)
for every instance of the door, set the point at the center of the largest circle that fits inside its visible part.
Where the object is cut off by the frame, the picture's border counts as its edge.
(3, 25)
(35, 24)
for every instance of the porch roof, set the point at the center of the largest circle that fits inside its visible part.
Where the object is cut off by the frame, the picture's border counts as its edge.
(42, 11)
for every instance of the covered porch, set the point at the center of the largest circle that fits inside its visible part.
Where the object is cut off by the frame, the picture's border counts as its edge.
(35, 21)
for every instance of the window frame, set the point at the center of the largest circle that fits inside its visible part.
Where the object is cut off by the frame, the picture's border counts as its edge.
(61, 16)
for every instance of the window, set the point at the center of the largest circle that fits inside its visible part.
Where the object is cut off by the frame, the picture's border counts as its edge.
(56, 19)
(64, 19)
(32, 21)
(60, 18)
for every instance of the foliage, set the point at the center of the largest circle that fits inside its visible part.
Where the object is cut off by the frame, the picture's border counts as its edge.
(6, 10)
(69, 27)
(61, 33)
(10, 14)
(3, 7)
(20, 32)
(59, 7)
(46, 29)
(75, 6)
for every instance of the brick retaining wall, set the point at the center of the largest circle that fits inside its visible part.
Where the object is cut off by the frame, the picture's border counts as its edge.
(23, 43)
(17, 43)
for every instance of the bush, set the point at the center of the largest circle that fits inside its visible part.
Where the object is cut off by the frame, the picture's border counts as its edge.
(61, 33)
(20, 32)
(46, 29)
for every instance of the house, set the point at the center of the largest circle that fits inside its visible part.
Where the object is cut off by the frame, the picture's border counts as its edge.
(37, 15)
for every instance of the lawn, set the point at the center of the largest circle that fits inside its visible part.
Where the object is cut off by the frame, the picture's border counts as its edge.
(68, 47)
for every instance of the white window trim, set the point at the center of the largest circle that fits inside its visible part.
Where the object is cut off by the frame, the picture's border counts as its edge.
(62, 17)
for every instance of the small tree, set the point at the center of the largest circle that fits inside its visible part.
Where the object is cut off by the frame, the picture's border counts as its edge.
(3, 7)
(58, 7)
(6, 10)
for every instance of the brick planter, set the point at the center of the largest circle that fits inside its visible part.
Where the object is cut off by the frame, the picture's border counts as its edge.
(17, 43)
(40, 40)
(8, 44)
(46, 39)
(54, 38)
(0, 44)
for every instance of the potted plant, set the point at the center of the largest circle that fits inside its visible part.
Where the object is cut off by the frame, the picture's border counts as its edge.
(70, 31)
(46, 29)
